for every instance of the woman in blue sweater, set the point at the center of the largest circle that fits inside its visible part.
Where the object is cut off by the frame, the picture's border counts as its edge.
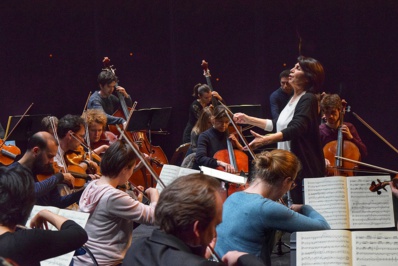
(251, 217)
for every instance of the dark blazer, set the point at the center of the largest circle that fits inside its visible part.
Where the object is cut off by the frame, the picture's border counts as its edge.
(167, 250)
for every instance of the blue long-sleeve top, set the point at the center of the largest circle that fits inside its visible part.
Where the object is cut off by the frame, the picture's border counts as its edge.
(249, 222)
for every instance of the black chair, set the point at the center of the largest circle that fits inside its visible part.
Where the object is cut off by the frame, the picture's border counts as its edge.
(179, 154)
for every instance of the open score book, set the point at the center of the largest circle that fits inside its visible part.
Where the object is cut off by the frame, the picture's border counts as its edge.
(79, 217)
(347, 202)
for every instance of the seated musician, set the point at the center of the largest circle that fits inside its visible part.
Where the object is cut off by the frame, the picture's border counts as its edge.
(46, 124)
(251, 217)
(96, 124)
(71, 131)
(105, 100)
(31, 246)
(38, 159)
(186, 230)
(331, 107)
(112, 211)
(215, 139)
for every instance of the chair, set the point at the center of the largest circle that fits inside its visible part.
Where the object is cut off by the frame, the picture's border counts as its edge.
(179, 154)
(83, 250)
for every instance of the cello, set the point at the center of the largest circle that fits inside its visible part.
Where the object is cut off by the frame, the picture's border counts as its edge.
(341, 148)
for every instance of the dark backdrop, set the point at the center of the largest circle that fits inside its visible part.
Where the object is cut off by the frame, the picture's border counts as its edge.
(51, 54)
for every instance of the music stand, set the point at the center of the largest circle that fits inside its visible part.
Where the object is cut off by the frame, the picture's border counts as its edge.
(249, 109)
(29, 125)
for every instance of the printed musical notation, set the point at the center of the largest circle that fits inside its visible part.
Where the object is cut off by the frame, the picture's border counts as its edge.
(347, 203)
(341, 247)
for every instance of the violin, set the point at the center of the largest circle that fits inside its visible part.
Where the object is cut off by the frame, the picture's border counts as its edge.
(340, 148)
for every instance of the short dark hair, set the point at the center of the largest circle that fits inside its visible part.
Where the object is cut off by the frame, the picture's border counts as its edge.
(186, 200)
(313, 71)
(116, 157)
(106, 77)
(199, 89)
(16, 196)
(331, 101)
(69, 122)
(284, 74)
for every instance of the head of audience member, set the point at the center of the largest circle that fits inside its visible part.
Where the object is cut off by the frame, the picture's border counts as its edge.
(203, 93)
(96, 123)
(48, 122)
(190, 208)
(276, 169)
(307, 74)
(331, 106)
(118, 161)
(204, 121)
(16, 197)
(71, 132)
(284, 82)
(107, 81)
(220, 118)
(41, 150)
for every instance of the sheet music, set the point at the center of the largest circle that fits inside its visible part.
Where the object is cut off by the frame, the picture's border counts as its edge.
(375, 248)
(368, 209)
(327, 196)
(237, 179)
(170, 173)
(331, 247)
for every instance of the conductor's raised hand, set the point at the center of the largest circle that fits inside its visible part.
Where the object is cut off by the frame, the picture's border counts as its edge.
(241, 118)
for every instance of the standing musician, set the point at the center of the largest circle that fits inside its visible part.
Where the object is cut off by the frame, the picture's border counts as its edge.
(215, 139)
(251, 217)
(204, 98)
(105, 100)
(281, 96)
(331, 107)
(38, 159)
(186, 230)
(112, 211)
(297, 127)
(99, 139)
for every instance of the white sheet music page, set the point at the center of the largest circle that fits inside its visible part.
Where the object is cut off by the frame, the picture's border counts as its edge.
(327, 195)
(237, 179)
(375, 248)
(368, 209)
(171, 172)
(330, 247)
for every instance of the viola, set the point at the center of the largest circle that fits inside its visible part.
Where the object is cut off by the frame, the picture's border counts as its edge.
(341, 148)
(76, 171)
(8, 153)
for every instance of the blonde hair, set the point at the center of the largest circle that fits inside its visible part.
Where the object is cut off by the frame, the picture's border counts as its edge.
(274, 166)
(203, 122)
(95, 116)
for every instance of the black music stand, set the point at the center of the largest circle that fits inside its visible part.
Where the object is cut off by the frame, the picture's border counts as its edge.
(249, 109)
(28, 126)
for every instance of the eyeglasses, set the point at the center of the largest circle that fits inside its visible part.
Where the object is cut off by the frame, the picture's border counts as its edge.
(293, 185)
